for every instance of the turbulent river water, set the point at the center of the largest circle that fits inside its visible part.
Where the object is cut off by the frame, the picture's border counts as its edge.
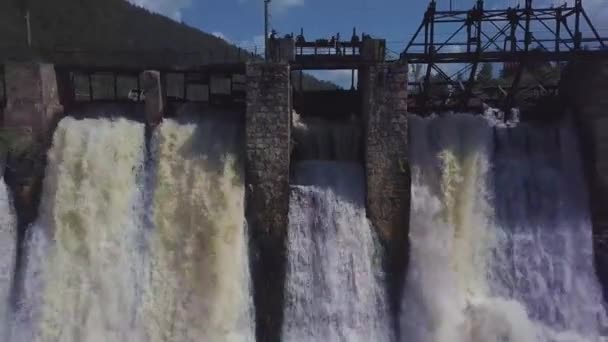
(129, 248)
(501, 237)
(139, 241)
(334, 289)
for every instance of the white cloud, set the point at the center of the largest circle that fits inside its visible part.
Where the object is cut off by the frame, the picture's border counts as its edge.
(597, 10)
(220, 35)
(279, 5)
(255, 44)
(170, 8)
(283, 5)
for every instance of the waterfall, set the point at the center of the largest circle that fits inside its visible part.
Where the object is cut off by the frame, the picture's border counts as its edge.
(80, 281)
(334, 290)
(134, 248)
(199, 286)
(319, 139)
(501, 246)
(8, 243)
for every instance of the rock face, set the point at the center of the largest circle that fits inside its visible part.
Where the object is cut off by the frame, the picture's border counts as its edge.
(268, 125)
(585, 88)
(384, 89)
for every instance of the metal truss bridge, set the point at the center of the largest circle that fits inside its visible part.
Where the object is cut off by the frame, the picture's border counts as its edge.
(518, 37)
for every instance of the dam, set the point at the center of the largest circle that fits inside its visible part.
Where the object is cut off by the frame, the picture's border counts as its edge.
(226, 203)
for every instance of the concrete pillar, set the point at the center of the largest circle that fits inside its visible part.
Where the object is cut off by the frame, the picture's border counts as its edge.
(282, 50)
(268, 124)
(384, 89)
(32, 111)
(32, 98)
(584, 87)
(155, 97)
(373, 50)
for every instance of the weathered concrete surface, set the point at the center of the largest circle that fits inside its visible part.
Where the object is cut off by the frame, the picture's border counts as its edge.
(373, 50)
(155, 100)
(32, 98)
(32, 111)
(585, 89)
(282, 50)
(386, 163)
(268, 123)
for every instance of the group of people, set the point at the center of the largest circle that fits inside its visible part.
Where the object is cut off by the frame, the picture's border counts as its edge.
(334, 40)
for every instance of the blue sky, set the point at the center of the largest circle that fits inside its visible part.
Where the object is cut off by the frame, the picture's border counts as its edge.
(241, 21)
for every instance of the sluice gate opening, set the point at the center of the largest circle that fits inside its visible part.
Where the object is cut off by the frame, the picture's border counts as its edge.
(219, 87)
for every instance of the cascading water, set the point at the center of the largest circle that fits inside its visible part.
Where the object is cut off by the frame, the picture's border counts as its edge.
(500, 235)
(318, 139)
(334, 291)
(8, 243)
(199, 286)
(124, 250)
(129, 250)
(544, 255)
(80, 281)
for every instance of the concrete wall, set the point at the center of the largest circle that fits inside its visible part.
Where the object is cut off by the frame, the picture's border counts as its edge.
(386, 163)
(32, 110)
(268, 124)
(32, 98)
(155, 94)
(585, 88)
(282, 50)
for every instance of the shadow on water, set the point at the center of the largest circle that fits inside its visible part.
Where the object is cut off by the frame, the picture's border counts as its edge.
(218, 136)
(542, 214)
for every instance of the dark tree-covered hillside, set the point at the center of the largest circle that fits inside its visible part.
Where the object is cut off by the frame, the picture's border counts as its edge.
(108, 32)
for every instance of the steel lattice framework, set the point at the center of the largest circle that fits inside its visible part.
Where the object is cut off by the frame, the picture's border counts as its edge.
(519, 36)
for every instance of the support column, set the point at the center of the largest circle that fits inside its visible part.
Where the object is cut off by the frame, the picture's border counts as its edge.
(155, 97)
(268, 124)
(32, 111)
(32, 98)
(387, 167)
(585, 88)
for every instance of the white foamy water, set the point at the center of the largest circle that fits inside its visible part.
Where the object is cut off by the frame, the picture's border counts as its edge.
(199, 284)
(82, 253)
(8, 245)
(334, 290)
(127, 250)
(500, 236)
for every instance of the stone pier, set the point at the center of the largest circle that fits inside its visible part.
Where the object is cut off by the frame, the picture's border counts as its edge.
(585, 88)
(268, 125)
(32, 111)
(155, 97)
(32, 97)
(384, 88)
